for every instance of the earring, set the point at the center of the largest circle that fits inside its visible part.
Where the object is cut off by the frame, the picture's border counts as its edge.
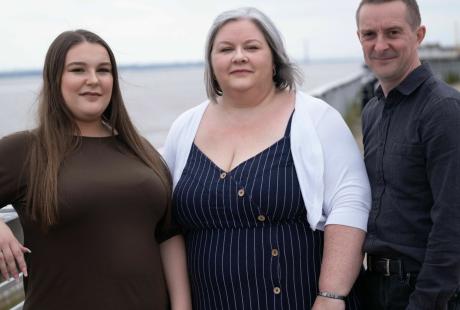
(274, 70)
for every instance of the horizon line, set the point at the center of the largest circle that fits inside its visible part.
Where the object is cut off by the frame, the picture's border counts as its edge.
(166, 65)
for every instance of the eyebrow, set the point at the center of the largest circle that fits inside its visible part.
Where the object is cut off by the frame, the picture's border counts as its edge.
(245, 42)
(393, 28)
(81, 63)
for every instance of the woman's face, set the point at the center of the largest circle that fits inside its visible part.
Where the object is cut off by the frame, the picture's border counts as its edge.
(87, 82)
(241, 58)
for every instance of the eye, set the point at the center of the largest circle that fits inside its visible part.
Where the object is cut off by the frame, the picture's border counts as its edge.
(77, 70)
(393, 33)
(225, 49)
(252, 47)
(105, 70)
(367, 35)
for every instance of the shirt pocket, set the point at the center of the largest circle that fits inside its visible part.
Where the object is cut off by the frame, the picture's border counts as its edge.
(405, 166)
(414, 151)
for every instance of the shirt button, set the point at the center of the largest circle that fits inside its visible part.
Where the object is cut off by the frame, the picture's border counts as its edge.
(276, 290)
(275, 252)
(223, 175)
(241, 192)
(261, 218)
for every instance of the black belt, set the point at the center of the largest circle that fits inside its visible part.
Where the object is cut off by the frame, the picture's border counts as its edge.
(391, 266)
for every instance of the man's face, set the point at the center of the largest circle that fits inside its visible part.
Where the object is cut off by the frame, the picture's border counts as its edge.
(389, 43)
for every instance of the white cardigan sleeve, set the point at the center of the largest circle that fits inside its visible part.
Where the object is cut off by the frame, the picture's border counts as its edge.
(180, 139)
(169, 149)
(329, 166)
(347, 198)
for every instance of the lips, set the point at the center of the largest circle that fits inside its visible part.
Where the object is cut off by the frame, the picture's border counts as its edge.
(383, 57)
(237, 71)
(88, 93)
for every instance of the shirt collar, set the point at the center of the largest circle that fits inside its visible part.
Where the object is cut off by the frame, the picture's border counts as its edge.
(411, 82)
(415, 79)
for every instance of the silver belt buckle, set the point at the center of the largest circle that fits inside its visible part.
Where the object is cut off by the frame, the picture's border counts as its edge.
(387, 267)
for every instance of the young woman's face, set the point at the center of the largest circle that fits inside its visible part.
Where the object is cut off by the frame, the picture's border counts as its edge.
(87, 82)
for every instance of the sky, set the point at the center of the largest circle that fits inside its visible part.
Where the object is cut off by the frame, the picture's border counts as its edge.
(169, 31)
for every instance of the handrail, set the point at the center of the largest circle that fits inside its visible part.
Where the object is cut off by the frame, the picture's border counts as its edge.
(11, 291)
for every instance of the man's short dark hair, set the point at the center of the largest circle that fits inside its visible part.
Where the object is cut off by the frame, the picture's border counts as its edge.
(413, 12)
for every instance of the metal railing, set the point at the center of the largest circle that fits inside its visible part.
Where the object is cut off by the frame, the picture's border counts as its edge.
(11, 290)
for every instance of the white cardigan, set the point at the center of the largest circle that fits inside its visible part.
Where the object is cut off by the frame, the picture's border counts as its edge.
(329, 166)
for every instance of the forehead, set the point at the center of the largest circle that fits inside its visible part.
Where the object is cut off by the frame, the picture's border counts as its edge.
(88, 53)
(383, 15)
(239, 30)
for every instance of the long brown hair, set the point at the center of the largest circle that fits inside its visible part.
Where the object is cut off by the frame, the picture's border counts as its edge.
(54, 137)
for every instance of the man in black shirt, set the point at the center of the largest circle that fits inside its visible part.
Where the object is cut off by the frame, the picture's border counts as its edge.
(411, 131)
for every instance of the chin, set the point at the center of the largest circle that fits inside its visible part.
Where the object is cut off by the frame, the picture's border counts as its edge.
(239, 88)
(383, 72)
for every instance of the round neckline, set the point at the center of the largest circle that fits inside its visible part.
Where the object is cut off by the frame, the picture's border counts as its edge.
(89, 138)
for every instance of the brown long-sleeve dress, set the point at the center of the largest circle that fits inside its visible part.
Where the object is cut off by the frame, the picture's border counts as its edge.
(104, 253)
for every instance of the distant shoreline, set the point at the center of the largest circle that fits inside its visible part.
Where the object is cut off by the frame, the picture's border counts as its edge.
(35, 72)
(159, 66)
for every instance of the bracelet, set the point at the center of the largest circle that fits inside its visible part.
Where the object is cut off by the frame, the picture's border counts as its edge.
(331, 295)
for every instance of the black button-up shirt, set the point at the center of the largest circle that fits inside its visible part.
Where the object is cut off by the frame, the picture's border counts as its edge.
(412, 155)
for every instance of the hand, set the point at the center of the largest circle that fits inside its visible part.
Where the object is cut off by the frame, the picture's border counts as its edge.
(11, 254)
(323, 303)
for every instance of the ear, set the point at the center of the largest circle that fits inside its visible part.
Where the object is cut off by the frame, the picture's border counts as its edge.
(420, 32)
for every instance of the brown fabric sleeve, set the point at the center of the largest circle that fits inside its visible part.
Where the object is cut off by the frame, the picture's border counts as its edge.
(167, 227)
(13, 156)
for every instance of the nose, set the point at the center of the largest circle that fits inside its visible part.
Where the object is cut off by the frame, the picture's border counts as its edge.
(92, 77)
(240, 56)
(381, 44)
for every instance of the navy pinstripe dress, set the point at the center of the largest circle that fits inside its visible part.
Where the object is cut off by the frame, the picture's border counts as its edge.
(249, 245)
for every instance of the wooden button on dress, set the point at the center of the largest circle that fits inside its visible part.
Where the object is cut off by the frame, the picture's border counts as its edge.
(261, 218)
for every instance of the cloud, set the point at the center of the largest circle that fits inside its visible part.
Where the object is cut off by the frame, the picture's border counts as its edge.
(150, 31)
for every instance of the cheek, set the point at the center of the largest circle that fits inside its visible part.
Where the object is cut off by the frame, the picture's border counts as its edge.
(221, 60)
(108, 84)
(215, 64)
(109, 91)
(66, 90)
(366, 49)
(69, 86)
(218, 68)
(367, 53)
(265, 61)
(268, 58)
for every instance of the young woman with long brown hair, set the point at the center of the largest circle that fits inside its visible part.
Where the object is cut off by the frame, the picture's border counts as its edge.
(92, 195)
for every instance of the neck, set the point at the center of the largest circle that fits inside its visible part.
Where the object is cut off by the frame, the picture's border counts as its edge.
(248, 99)
(93, 129)
(389, 85)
